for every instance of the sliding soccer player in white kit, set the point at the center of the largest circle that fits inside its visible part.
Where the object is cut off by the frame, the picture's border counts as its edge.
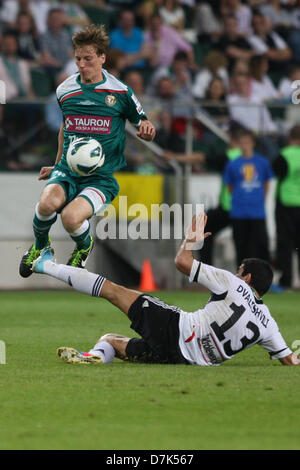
(235, 317)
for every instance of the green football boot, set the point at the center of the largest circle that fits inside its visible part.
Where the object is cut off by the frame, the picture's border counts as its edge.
(25, 268)
(79, 257)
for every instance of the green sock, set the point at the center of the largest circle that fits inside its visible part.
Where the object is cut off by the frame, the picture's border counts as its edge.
(82, 236)
(41, 229)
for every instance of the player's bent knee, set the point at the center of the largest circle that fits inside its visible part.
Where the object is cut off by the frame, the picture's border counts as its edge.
(118, 342)
(52, 199)
(70, 220)
(108, 337)
(48, 205)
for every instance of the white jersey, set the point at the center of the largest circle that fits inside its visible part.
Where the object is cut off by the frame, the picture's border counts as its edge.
(232, 320)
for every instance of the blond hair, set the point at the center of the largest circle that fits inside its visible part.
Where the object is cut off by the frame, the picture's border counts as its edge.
(92, 35)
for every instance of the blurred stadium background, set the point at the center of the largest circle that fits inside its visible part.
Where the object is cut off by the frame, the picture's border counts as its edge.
(193, 65)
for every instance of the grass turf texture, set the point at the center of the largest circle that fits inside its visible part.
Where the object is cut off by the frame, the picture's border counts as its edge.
(249, 402)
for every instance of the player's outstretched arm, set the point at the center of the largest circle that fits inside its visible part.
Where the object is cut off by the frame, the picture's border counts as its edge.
(146, 130)
(290, 360)
(194, 234)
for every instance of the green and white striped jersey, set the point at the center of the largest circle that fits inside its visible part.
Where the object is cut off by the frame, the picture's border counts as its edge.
(99, 110)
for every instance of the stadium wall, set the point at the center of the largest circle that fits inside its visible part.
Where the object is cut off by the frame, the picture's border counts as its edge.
(19, 193)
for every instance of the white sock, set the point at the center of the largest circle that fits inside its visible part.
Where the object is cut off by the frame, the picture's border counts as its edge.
(103, 350)
(83, 228)
(79, 279)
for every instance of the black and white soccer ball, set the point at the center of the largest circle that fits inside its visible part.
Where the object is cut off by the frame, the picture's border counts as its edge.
(85, 155)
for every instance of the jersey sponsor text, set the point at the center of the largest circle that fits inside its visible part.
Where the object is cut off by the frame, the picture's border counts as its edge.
(88, 124)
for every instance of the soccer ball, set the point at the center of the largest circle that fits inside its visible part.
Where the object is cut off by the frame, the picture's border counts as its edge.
(85, 155)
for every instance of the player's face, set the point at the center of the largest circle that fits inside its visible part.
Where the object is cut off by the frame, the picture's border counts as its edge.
(89, 64)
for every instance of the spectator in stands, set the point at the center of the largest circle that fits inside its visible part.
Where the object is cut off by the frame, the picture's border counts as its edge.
(285, 84)
(75, 18)
(144, 13)
(268, 42)
(173, 145)
(172, 14)
(261, 84)
(129, 39)
(170, 100)
(294, 34)
(242, 13)
(27, 38)
(166, 137)
(215, 64)
(14, 71)
(208, 22)
(135, 80)
(232, 43)
(248, 178)
(287, 170)
(217, 107)
(115, 62)
(179, 71)
(248, 109)
(255, 4)
(296, 14)
(56, 46)
(280, 18)
(165, 89)
(37, 8)
(240, 66)
(165, 42)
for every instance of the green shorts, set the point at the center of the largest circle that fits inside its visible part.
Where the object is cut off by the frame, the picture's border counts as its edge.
(99, 191)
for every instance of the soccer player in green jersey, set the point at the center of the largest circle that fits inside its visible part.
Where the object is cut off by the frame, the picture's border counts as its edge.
(94, 103)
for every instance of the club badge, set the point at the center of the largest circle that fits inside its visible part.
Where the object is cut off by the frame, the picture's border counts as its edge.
(110, 100)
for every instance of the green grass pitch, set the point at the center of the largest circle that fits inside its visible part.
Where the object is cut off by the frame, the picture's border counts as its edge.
(249, 402)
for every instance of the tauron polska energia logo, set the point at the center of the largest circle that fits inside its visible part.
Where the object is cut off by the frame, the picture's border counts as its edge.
(88, 124)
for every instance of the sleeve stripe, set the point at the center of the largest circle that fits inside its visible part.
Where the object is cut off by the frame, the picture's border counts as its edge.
(277, 352)
(195, 279)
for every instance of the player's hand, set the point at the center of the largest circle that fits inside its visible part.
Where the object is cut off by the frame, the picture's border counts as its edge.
(45, 172)
(146, 130)
(195, 231)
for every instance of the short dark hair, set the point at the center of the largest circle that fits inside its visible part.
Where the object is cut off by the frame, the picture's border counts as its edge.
(55, 10)
(261, 274)
(256, 61)
(180, 55)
